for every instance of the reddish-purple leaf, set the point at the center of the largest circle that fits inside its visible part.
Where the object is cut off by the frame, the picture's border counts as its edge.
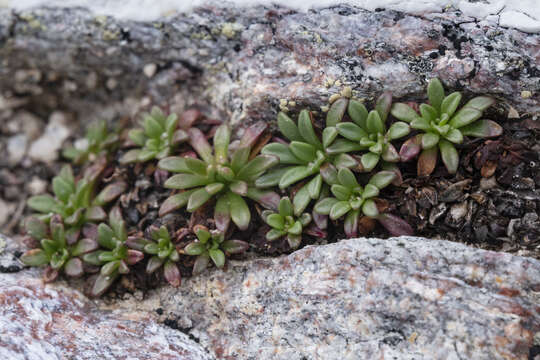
(110, 192)
(252, 133)
(234, 246)
(200, 264)
(268, 199)
(314, 230)
(410, 148)
(89, 230)
(427, 161)
(320, 220)
(172, 274)
(50, 274)
(95, 213)
(153, 264)
(188, 118)
(396, 226)
(350, 225)
(198, 141)
(222, 213)
(84, 246)
(74, 267)
(134, 256)
(102, 283)
(137, 243)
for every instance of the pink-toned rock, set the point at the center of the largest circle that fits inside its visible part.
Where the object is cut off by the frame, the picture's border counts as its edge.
(39, 321)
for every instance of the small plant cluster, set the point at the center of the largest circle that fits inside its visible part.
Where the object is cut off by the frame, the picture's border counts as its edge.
(299, 184)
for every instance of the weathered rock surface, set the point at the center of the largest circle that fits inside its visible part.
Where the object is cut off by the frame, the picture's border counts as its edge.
(244, 61)
(54, 321)
(401, 298)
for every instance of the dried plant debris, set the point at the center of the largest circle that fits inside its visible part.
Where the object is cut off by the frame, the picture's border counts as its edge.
(183, 193)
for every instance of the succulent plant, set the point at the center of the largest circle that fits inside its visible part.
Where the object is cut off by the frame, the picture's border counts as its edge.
(55, 252)
(98, 140)
(114, 257)
(304, 157)
(368, 132)
(221, 176)
(73, 199)
(163, 253)
(211, 245)
(285, 223)
(442, 126)
(353, 200)
(156, 138)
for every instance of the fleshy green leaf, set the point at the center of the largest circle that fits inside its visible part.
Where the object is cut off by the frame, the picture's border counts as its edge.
(404, 112)
(429, 112)
(358, 113)
(482, 129)
(152, 127)
(240, 213)
(234, 246)
(195, 248)
(345, 161)
(34, 257)
(341, 192)
(347, 178)
(222, 213)
(325, 205)
(450, 103)
(455, 136)
(62, 189)
(329, 135)
(130, 157)
(429, 140)
(351, 131)
(174, 202)
(449, 156)
(221, 144)
(343, 146)
(276, 221)
(201, 263)
(258, 165)
(398, 130)
(390, 154)
(314, 187)
(480, 103)
(240, 158)
(305, 127)
(296, 228)
(329, 173)
(174, 164)
(218, 257)
(288, 128)
(102, 283)
(382, 179)
(84, 246)
(137, 136)
(370, 191)
(465, 116)
(336, 112)
(74, 267)
(339, 209)
(375, 124)
(294, 240)
(283, 152)
(196, 166)
(185, 181)
(110, 192)
(369, 208)
(105, 236)
(42, 203)
(369, 161)
(435, 92)
(285, 207)
(294, 174)
(301, 200)
(197, 199)
(274, 234)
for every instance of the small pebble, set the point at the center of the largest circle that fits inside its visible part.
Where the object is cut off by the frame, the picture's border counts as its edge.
(36, 186)
(488, 183)
(526, 94)
(150, 70)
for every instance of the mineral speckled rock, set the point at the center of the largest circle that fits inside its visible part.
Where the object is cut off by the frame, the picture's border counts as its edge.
(42, 322)
(244, 61)
(401, 298)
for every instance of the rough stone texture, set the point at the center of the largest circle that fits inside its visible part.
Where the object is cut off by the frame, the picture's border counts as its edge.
(401, 298)
(54, 321)
(243, 61)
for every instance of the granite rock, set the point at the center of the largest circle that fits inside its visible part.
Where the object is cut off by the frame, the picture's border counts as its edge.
(41, 321)
(401, 298)
(244, 62)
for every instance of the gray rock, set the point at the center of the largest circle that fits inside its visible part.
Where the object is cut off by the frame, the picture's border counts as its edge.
(401, 298)
(46, 147)
(16, 148)
(43, 321)
(242, 62)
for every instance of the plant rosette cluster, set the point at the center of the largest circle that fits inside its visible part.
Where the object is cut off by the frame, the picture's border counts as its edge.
(74, 201)
(354, 201)
(285, 224)
(114, 257)
(157, 138)
(57, 253)
(163, 254)
(211, 245)
(441, 125)
(97, 142)
(368, 132)
(221, 174)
